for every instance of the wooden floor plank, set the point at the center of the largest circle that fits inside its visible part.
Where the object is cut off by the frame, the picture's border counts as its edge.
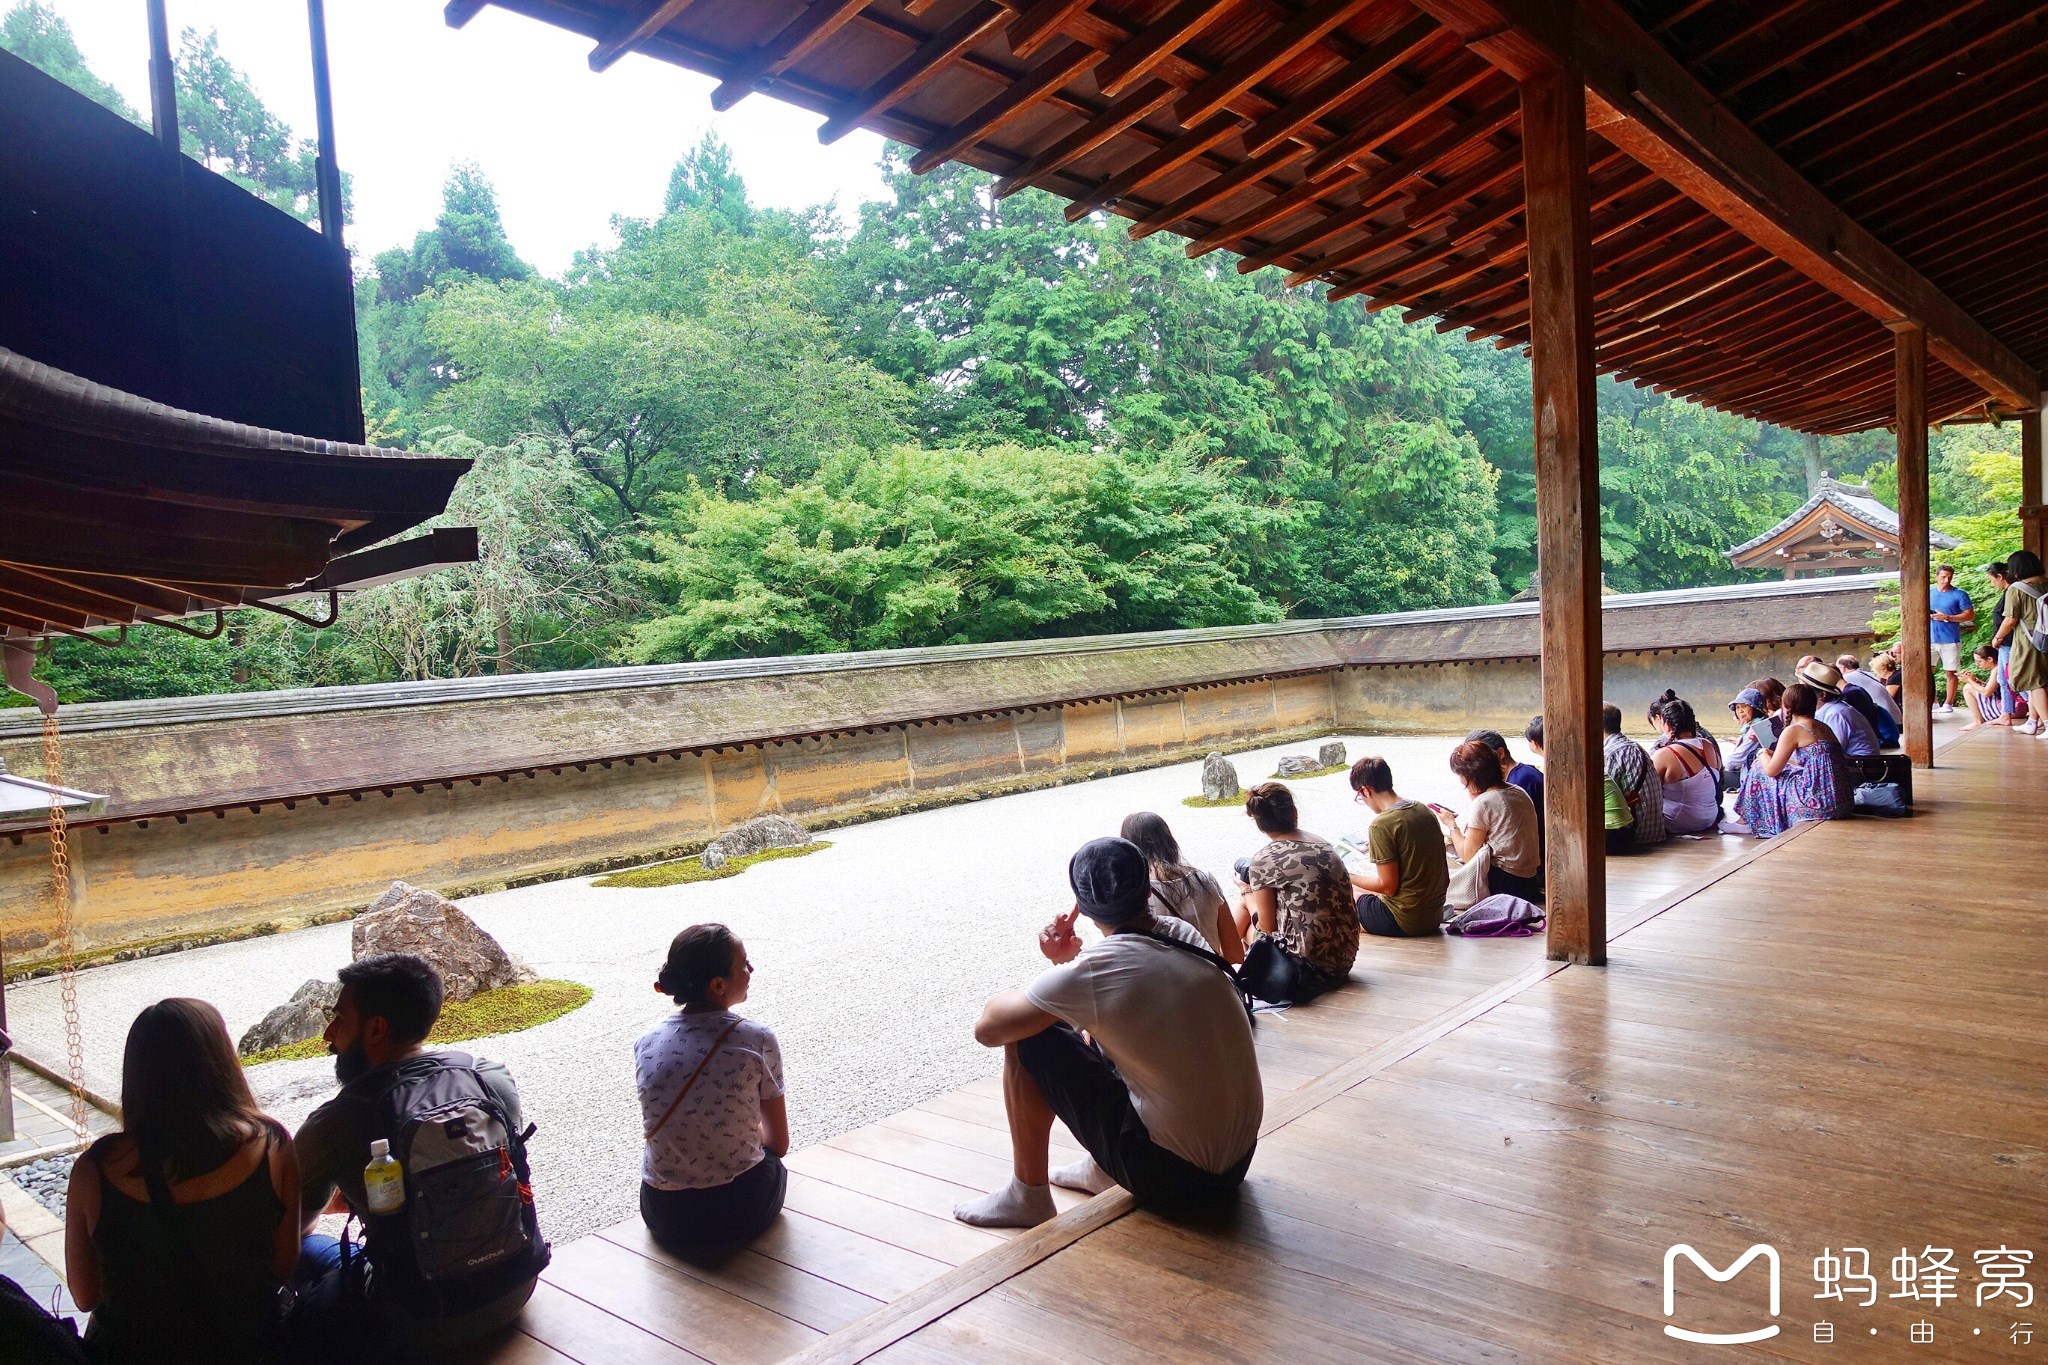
(942, 1239)
(707, 1321)
(771, 1284)
(862, 1263)
(586, 1333)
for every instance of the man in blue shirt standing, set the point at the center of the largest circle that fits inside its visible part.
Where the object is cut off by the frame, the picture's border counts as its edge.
(1949, 612)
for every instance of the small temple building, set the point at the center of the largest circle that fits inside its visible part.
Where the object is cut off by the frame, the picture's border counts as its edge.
(1842, 528)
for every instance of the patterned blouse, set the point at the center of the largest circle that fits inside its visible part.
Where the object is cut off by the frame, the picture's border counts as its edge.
(1317, 917)
(714, 1136)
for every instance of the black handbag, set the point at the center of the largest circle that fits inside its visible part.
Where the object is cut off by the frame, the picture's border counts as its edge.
(1270, 973)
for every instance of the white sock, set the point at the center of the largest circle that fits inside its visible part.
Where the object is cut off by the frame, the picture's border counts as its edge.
(1015, 1205)
(1083, 1175)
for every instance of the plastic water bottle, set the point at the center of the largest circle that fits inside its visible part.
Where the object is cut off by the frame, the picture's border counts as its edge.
(383, 1179)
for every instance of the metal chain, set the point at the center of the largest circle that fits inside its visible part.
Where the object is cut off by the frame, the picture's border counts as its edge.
(60, 889)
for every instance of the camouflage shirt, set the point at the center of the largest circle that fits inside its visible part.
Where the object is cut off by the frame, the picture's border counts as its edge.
(1317, 917)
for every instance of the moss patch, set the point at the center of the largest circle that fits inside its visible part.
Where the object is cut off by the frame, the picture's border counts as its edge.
(686, 870)
(1204, 803)
(505, 1010)
(1313, 772)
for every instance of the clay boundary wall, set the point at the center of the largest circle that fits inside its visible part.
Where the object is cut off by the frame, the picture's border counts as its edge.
(248, 813)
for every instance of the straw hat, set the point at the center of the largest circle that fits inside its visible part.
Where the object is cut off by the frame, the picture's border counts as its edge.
(1826, 678)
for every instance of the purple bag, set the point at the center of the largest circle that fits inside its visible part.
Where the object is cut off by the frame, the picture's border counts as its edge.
(1500, 916)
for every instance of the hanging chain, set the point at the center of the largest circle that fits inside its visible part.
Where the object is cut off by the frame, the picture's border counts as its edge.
(60, 889)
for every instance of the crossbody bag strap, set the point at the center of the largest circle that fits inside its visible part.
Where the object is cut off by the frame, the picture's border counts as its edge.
(662, 1122)
(1215, 960)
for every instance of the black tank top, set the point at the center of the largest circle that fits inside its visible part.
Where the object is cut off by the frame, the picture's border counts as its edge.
(223, 1248)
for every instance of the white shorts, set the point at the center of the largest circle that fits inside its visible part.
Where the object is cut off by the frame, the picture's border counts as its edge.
(1950, 654)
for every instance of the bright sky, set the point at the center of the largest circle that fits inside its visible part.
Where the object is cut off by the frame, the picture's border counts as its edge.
(567, 149)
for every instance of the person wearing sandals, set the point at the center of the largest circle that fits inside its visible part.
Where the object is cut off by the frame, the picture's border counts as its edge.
(711, 1102)
(181, 1228)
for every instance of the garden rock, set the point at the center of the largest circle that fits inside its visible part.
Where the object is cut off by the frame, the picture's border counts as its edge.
(1294, 765)
(410, 919)
(1331, 755)
(1219, 779)
(302, 1017)
(757, 835)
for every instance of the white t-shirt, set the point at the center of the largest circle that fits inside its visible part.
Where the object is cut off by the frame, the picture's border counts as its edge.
(1177, 1033)
(1196, 899)
(1509, 818)
(714, 1136)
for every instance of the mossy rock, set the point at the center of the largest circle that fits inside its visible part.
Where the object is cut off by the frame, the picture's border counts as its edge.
(509, 1009)
(685, 870)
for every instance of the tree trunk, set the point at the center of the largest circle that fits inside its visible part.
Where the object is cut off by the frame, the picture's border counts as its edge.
(503, 663)
(1810, 448)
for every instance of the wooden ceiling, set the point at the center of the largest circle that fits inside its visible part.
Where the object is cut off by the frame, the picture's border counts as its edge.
(1372, 145)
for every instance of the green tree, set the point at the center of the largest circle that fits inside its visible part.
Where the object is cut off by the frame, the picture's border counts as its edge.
(1679, 484)
(36, 33)
(226, 127)
(949, 546)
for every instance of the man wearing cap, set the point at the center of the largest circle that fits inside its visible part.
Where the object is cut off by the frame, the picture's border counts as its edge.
(1858, 736)
(1949, 613)
(1165, 1098)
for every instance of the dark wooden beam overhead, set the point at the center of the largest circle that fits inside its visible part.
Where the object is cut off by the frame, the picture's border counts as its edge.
(633, 31)
(1668, 121)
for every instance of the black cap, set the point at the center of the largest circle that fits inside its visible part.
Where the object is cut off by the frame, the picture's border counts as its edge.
(1111, 880)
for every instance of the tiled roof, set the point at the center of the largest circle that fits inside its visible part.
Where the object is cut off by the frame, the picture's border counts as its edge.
(1853, 499)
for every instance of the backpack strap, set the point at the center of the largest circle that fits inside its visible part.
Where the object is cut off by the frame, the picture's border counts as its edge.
(718, 1043)
(1244, 996)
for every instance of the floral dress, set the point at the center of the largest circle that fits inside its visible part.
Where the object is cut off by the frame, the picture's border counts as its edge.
(1810, 788)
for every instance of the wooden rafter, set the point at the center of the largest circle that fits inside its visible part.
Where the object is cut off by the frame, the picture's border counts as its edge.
(911, 74)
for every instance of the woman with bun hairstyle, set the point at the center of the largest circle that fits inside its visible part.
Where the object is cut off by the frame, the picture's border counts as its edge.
(716, 1127)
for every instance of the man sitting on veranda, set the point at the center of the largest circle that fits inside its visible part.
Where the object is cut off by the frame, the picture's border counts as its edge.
(1166, 1098)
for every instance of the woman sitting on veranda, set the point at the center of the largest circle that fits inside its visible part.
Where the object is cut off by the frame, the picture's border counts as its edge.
(1801, 779)
(181, 1227)
(1690, 764)
(1501, 823)
(717, 1127)
(1183, 892)
(1982, 695)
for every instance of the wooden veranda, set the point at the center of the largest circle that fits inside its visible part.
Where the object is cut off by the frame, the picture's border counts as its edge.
(1821, 215)
(1473, 1153)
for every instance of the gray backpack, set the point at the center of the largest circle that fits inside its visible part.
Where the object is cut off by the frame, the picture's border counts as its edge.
(2037, 634)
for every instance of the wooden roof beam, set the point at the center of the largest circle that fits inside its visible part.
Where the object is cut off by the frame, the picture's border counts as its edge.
(1344, 85)
(1818, 35)
(1013, 103)
(1290, 40)
(917, 70)
(1378, 188)
(1121, 114)
(632, 30)
(798, 38)
(1147, 169)
(1158, 40)
(1040, 23)
(1806, 85)
(1671, 124)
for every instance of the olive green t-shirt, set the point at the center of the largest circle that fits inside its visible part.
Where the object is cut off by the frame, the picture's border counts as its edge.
(1407, 834)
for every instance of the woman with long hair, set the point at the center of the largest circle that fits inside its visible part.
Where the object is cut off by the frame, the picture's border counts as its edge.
(1183, 892)
(181, 1227)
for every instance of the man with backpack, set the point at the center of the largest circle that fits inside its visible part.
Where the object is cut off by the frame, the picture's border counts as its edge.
(1164, 1091)
(452, 1246)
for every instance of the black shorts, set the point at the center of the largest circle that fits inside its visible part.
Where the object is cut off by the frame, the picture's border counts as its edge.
(1375, 918)
(1084, 1089)
(717, 1220)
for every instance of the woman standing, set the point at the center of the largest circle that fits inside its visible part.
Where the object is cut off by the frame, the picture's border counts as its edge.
(1799, 780)
(1183, 892)
(2025, 613)
(1690, 764)
(1501, 823)
(181, 1227)
(716, 1124)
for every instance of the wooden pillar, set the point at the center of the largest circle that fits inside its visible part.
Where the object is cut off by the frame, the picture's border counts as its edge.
(1916, 655)
(1567, 509)
(2033, 530)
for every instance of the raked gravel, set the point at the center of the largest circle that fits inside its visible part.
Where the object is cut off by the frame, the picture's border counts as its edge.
(872, 959)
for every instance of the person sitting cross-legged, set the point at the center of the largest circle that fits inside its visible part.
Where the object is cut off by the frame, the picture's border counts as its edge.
(1403, 890)
(711, 1104)
(1163, 1092)
(1296, 894)
(1495, 841)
